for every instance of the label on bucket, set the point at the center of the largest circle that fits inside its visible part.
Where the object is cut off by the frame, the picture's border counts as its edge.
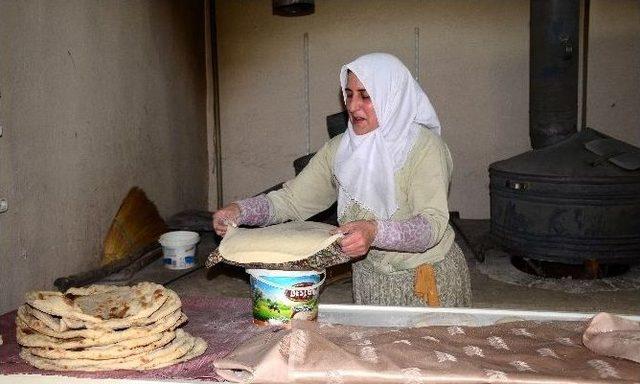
(179, 258)
(278, 299)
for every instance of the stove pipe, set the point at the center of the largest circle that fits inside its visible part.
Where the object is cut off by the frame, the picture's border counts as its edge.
(553, 73)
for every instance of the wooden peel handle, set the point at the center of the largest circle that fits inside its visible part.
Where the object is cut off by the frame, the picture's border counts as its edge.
(134, 261)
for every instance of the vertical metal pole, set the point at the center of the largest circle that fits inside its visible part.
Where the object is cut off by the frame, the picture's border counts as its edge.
(216, 102)
(585, 62)
(416, 54)
(307, 102)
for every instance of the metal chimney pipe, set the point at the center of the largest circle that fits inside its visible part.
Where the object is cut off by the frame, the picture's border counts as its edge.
(553, 72)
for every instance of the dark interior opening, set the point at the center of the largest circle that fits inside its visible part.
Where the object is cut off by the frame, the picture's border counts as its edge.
(588, 271)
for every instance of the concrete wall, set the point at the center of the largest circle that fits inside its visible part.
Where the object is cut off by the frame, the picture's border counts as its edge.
(613, 87)
(473, 63)
(95, 97)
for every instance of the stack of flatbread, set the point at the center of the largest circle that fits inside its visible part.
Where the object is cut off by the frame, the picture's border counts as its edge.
(103, 327)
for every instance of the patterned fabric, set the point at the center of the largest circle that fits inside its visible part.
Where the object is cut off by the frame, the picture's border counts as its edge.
(526, 352)
(614, 336)
(254, 211)
(412, 235)
(452, 280)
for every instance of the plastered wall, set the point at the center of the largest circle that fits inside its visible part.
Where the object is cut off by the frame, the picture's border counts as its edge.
(95, 97)
(613, 87)
(473, 62)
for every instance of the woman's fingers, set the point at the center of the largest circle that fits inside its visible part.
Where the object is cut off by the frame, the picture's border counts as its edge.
(343, 229)
(349, 240)
(218, 226)
(225, 216)
(354, 245)
(358, 237)
(220, 229)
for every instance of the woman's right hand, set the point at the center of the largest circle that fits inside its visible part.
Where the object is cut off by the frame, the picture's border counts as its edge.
(228, 215)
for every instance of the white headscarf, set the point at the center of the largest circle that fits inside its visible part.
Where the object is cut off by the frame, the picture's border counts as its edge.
(365, 164)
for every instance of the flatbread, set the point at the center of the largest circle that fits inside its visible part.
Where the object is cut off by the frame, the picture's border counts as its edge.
(103, 327)
(107, 351)
(169, 306)
(130, 303)
(281, 243)
(52, 322)
(61, 324)
(42, 322)
(180, 346)
(98, 303)
(28, 336)
(54, 303)
(199, 347)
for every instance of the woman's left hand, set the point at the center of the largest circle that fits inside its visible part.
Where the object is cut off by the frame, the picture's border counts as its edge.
(358, 237)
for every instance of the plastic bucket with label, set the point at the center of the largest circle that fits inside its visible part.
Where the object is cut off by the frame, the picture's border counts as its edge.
(279, 296)
(179, 249)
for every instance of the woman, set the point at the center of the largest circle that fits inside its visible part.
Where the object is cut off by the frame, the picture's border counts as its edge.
(390, 175)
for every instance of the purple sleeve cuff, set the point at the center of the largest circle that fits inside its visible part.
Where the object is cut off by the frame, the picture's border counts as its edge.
(254, 211)
(411, 235)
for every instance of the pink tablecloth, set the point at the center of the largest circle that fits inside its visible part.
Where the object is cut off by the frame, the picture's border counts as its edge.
(223, 322)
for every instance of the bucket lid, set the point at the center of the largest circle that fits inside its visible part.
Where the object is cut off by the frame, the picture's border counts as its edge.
(179, 238)
(283, 273)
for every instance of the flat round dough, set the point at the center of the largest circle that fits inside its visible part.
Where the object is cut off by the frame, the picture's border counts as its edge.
(280, 243)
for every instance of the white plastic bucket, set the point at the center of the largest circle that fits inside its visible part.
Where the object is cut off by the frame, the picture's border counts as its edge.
(279, 296)
(179, 249)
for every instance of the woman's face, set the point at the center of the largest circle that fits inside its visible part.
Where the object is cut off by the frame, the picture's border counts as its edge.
(360, 106)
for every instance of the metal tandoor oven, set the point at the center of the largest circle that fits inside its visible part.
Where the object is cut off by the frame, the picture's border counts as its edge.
(562, 202)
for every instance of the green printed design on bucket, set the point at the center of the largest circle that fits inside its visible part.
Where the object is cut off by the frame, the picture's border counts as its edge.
(279, 296)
